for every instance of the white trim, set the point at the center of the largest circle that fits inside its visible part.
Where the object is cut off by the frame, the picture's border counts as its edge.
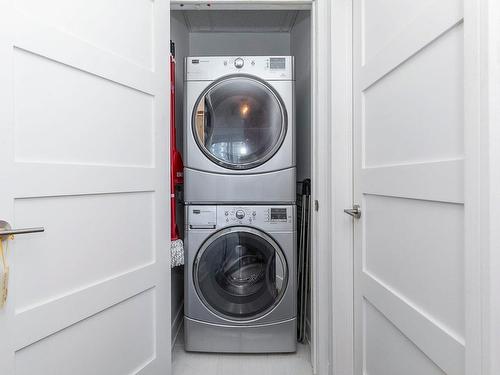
(472, 186)
(321, 177)
(341, 181)
(482, 184)
(177, 324)
(491, 327)
(482, 198)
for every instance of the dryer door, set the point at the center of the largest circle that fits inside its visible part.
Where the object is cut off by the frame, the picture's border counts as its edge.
(239, 122)
(240, 273)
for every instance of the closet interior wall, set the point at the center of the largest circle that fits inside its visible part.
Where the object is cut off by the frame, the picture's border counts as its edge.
(300, 48)
(240, 33)
(179, 34)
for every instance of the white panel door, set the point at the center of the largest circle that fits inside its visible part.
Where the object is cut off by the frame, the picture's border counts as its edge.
(84, 153)
(409, 160)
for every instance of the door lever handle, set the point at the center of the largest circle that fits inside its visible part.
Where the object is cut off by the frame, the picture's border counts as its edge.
(8, 232)
(355, 211)
(11, 232)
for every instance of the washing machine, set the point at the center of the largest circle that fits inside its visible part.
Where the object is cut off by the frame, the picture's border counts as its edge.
(239, 130)
(240, 279)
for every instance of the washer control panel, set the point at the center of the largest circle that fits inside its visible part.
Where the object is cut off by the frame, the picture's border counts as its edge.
(272, 218)
(268, 217)
(238, 215)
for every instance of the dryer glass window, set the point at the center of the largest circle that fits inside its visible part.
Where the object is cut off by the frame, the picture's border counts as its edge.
(240, 274)
(239, 122)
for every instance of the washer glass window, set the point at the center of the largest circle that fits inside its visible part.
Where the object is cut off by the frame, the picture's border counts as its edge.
(239, 122)
(240, 273)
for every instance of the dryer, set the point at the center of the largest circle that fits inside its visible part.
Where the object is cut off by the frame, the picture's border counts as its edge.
(240, 279)
(239, 130)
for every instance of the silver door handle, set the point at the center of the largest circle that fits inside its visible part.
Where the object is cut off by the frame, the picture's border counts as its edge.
(8, 232)
(355, 211)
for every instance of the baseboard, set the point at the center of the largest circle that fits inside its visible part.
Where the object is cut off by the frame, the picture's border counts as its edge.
(177, 324)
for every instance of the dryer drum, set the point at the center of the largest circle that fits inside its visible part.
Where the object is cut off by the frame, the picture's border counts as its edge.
(239, 122)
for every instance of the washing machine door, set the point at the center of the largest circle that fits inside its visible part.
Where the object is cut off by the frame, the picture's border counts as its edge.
(239, 122)
(240, 273)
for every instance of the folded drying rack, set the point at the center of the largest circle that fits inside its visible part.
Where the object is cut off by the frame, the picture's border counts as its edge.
(303, 257)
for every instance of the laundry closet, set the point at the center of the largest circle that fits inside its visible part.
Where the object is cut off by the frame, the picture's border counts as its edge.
(386, 106)
(268, 54)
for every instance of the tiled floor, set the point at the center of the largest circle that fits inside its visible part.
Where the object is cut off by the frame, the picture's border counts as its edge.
(185, 363)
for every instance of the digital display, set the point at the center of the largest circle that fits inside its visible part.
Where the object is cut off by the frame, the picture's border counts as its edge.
(278, 213)
(277, 63)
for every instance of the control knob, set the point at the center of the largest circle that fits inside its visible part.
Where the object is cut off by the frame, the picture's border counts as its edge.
(240, 214)
(239, 62)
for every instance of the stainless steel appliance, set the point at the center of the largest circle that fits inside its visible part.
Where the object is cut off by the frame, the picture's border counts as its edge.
(240, 279)
(239, 130)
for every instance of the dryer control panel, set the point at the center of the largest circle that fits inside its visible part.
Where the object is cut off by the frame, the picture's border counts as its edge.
(271, 68)
(279, 217)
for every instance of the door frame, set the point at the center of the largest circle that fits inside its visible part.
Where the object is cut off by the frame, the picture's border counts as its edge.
(482, 183)
(321, 171)
(341, 177)
(322, 341)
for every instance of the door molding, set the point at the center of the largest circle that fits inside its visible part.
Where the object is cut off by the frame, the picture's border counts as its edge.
(321, 177)
(337, 178)
(482, 183)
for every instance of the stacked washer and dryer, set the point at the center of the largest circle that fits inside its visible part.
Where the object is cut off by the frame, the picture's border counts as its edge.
(239, 189)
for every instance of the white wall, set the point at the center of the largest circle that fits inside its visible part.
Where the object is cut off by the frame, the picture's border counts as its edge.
(300, 47)
(249, 44)
(180, 35)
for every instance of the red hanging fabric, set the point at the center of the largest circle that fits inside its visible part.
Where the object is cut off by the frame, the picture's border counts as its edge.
(176, 165)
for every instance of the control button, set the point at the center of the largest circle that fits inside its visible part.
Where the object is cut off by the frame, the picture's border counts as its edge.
(226, 213)
(239, 62)
(225, 62)
(253, 63)
(254, 213)
(240, 214)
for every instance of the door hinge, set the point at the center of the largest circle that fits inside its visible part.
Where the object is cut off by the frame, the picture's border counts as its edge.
(316, 205)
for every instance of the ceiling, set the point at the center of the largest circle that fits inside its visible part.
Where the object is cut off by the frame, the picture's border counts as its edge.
(239, 20)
